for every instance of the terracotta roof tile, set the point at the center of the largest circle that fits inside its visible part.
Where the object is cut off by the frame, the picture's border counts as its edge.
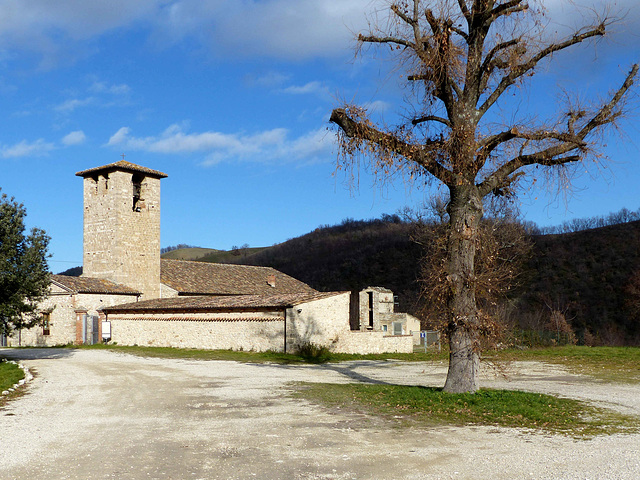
(202, 278)
(91, 285)
(122, 165)
(210, 303)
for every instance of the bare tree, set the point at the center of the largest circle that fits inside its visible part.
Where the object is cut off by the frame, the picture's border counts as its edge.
(504, 246)
(461, 58)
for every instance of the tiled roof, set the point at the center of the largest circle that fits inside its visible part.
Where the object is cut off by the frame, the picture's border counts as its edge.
(91, 285)
(210, 303)
(202, 278)
(122, 165)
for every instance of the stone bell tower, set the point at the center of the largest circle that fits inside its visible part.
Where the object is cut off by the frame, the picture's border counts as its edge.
(122, 225)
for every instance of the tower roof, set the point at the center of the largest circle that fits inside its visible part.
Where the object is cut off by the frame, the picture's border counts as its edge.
(122, 165)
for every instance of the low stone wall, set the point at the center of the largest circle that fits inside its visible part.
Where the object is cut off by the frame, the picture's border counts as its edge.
(373, 342)
(249, 335)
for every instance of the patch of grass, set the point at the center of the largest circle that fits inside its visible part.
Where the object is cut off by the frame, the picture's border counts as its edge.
(502, 408)
(10, 374)
(610, 364)
(305, 356)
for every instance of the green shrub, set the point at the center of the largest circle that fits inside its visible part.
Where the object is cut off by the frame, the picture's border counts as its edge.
(313, 353)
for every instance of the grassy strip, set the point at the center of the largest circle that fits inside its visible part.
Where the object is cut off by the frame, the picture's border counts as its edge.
(10, 374)
(309, 356)
(610, 364)
(503, 408)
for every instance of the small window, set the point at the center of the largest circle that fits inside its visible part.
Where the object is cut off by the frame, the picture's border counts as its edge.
(46, 324)
(384, 328)
(136, 180)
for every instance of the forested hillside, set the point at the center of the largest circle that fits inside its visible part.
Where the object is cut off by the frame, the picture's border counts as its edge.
(583, 276)
(587, 275)
(351, 256)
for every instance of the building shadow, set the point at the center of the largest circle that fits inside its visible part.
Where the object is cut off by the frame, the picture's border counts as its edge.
(29, 353)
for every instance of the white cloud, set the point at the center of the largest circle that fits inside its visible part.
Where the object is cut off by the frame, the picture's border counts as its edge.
(378, 106)
(278, 28)
(232, 28)
(74, 138)
(268, 145)
(310, 88)
(104, 87)
(70, 105)
(58, 29)
(269, 79)
(26, 149)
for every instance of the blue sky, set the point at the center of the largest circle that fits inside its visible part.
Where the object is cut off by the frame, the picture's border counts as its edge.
(232, 99)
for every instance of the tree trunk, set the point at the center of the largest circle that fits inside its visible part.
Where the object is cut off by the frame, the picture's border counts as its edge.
(465, 213)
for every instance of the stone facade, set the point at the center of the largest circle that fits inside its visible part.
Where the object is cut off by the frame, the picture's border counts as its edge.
(321, 320)
(373, 342)
(122, 226)
(210, 331)
(63, 310)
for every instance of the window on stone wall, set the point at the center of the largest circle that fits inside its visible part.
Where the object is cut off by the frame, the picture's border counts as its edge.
(46, 324)
(94, 180)
(136, 180)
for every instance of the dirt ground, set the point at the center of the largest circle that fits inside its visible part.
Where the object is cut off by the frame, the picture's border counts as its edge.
(101, 415)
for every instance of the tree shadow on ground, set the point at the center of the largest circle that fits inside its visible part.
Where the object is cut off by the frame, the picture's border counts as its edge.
(347, 369)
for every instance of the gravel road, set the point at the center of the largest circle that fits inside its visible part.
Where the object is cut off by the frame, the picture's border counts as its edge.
(95, 414)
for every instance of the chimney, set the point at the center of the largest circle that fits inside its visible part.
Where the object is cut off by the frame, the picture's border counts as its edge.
(271, 280)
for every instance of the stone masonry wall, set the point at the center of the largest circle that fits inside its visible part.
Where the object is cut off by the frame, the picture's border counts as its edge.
(373, 342)
(122, 243)
(326, 323)
(63, 306)
(380, 300)
(183, 331)
(319, 322)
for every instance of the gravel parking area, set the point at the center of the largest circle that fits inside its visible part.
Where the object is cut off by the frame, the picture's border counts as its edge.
(95, 414)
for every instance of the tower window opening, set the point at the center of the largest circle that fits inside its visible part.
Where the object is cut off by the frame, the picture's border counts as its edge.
(136, 180)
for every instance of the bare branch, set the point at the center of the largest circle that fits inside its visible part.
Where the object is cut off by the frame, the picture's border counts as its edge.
(424, 155)
(607, 114)
(507, 8)
(411, 21)
(519, 70)
(431, 118)
(374, 39)
(567, 142)
(465, 11)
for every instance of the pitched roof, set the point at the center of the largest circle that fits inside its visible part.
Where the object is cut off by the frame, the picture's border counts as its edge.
(91, 285)
(209, 303)
(202, 278)
(122, 165)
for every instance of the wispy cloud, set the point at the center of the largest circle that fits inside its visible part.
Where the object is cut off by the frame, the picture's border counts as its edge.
(104, 87)
(266, 146)
(74, 138)
(378, 106)
(102, 94)
(271, 79)
(70, 105)
(310, 88)
(26, 149)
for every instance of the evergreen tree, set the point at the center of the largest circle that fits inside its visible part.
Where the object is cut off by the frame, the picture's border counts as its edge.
(24, 273)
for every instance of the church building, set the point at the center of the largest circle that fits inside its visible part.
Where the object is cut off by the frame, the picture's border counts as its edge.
(129, 295)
